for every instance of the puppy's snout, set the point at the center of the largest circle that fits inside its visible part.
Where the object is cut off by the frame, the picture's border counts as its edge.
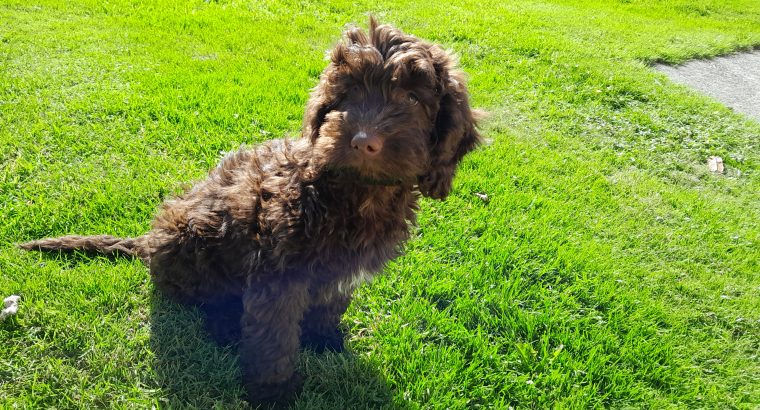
(366, 144)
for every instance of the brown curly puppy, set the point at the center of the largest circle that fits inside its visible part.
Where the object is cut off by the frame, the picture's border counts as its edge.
(273, 241)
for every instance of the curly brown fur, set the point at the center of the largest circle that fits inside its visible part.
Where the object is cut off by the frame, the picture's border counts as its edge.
(277, 236)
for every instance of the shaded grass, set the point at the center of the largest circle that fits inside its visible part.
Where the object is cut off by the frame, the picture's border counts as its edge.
(607, 269)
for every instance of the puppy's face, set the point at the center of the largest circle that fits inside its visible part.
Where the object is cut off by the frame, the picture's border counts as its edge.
(390, 108)
(381, 111)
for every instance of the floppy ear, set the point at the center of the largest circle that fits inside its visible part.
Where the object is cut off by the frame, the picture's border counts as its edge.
(319, 105)
(350, 55)
(324, 97)
(454, 135)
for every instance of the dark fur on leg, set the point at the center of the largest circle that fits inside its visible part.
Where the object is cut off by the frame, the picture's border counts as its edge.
(270, 338)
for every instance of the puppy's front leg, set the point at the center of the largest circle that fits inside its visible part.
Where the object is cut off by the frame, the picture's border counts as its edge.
(270, 336)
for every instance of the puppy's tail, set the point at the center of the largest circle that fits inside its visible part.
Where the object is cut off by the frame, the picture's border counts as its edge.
(105, 244)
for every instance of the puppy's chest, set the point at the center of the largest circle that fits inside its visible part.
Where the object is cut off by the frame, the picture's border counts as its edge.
(358, 245)
(354, 237)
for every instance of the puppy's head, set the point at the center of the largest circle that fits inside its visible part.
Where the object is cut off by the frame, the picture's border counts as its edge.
(392, 107)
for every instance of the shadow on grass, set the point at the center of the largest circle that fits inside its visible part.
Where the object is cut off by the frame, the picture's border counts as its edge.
(194, 372)
(190, 371)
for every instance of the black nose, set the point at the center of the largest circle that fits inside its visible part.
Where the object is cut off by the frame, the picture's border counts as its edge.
(366, 144)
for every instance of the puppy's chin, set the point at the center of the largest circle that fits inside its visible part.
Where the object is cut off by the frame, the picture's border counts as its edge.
(365, 176)
(385, 168)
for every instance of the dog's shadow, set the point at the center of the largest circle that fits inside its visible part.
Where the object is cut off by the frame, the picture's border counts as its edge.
(194, 372)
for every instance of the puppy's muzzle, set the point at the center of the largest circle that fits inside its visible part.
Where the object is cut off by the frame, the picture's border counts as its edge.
(369, 145)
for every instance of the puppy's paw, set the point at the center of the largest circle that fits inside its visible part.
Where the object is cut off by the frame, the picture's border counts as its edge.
(274, 395)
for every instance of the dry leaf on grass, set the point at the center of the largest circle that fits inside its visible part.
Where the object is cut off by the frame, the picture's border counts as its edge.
(483, 197)
(10, 305)
(715, 164)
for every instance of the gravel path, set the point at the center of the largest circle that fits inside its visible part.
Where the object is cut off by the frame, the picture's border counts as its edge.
(733, 80)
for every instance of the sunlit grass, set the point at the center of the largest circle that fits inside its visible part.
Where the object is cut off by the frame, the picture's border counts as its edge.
(608, 268)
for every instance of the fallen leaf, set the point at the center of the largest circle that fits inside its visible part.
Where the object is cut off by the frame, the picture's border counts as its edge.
(715, 164)
(11, 306)
(483, 197)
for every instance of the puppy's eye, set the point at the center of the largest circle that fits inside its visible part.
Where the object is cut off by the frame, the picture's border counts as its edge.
(412, 99)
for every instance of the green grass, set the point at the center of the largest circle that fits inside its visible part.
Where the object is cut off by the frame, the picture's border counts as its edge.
(609, 268)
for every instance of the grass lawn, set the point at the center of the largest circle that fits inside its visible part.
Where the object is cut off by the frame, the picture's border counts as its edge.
(609, 267)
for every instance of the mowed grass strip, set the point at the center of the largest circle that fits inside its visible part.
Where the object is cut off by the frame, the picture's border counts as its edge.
(607, 268)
